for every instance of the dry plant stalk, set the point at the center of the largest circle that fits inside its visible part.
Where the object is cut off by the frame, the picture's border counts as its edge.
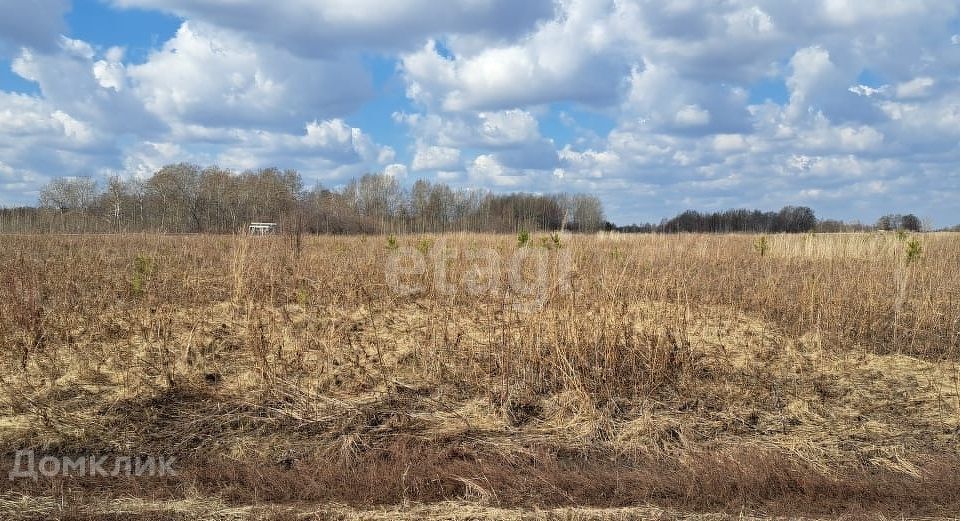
(818, 378)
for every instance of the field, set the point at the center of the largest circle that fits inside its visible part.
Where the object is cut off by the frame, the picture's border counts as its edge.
(470, 377)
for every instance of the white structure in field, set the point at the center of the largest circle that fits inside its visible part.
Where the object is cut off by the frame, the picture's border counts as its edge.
(262, 228)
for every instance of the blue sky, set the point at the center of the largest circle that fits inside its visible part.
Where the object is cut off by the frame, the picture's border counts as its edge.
(841, 105)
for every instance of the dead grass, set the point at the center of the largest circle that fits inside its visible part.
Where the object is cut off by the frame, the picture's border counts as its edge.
(680, 371)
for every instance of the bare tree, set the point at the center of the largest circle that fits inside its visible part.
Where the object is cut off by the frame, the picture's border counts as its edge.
(186, 198)
(72, 198)
(69, 194)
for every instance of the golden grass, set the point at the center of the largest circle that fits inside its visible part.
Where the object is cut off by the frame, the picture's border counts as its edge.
(686, 372)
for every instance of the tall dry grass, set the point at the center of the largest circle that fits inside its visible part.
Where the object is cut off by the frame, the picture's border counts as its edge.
(701, 373)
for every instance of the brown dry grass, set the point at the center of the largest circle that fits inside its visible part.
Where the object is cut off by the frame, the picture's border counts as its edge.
(685, 372)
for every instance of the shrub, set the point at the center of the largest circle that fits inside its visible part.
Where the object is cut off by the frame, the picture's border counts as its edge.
(424, 245)
(142, 267)
(762, 246)
(914, 250)
(523, 238)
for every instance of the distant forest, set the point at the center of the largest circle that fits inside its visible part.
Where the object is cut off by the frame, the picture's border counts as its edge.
(186, 198)
(790, 219)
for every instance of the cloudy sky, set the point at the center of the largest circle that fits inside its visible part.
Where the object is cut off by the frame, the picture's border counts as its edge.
(848, 106)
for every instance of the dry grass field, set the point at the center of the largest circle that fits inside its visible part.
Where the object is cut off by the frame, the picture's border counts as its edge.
(587, 377)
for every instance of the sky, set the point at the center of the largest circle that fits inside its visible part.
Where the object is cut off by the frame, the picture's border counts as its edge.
(849, 107)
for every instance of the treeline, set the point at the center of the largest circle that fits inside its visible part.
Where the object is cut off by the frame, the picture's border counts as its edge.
(186, 198)
(907, 222)
(790, 219)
